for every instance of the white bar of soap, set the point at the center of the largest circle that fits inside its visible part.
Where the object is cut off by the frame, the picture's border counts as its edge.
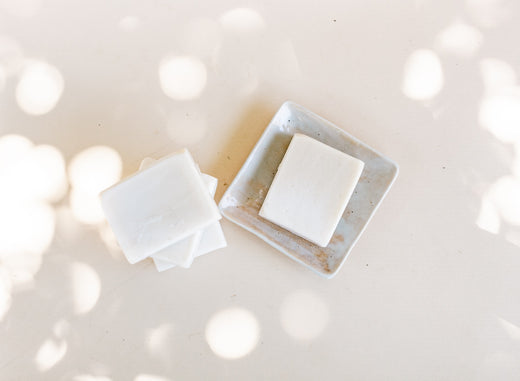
(159, 206)
(311, 189)
(182, 253)
(211, 238)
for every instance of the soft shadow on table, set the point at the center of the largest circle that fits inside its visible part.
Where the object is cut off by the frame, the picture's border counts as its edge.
(246, 133)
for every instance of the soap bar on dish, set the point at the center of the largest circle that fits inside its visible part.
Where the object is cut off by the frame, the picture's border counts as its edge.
(159, 206)
(311, 189)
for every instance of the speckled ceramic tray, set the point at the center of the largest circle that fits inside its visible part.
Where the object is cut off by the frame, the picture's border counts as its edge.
(244, 197)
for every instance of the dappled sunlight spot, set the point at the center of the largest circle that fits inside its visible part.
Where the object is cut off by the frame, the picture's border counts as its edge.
(90, 172)
(423, 75)
(500, 115)
(22, 267)
(505, 196)
(5, 292)
(89, 377)
(21, 8)
(28, 172)
(488, 13)
(40, 87)
(50, 353)
(304, 316)
(182, 77)
(30, 177)
(488, 218)
(67, 227)
(95, 169)
(86, 207)
(13, 148)
(200, 37)
(129, 23)
(158, 338)
(150, 377)
(86, 287)
(497, 75)
(26, 227)
(242, 19)
(109, 238)
(44, 170)
(186, 129)
(27, 231)
(459, 39)
(232, 333)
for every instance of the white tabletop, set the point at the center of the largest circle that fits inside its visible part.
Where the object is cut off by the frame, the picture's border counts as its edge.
(430, 292)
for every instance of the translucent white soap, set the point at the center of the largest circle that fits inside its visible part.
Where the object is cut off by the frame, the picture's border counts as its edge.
(212, 239)
(181, 252)
(208, 239)
(311, 189)
(159, 206)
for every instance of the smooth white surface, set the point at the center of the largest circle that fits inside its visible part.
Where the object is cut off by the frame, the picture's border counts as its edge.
(182, 253)
(158, 206)
(311, 189)
(426, 294)
(201, 242)
(212, 238)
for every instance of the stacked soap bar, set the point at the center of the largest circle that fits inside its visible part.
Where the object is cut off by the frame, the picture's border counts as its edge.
(165, 211)
(311, 189)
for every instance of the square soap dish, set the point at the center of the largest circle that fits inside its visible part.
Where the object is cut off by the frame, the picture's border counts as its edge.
(243, 199)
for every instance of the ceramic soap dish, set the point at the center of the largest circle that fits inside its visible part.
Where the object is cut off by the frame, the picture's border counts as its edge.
(244, 197)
